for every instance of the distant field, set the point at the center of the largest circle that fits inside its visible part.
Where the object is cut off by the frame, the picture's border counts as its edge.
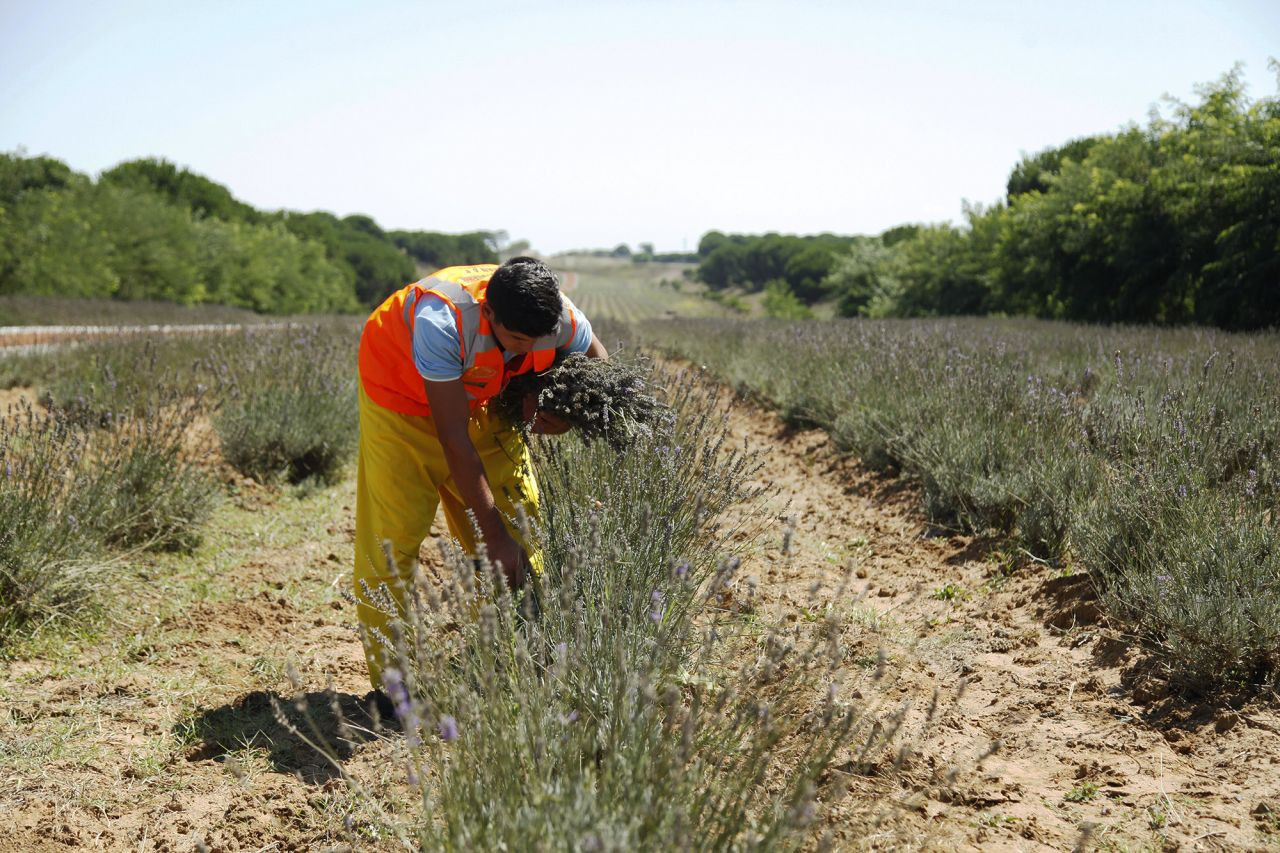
(56, 311)
(623, 291)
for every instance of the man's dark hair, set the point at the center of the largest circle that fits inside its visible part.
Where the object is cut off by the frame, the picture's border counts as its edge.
(525, 297)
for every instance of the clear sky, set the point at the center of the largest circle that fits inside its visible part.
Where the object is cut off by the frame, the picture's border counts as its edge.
(586, 124)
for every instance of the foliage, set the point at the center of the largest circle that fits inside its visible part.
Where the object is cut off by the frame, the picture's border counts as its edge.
(613, 705)
(1147, 456)
(268, 269)
(781, 302)
(374, 265)
(433, 251)
(1035, 172)
(288, 407)
(1176, 222)
(150, 230)
(181, 187)
(865, 279)
(752, 262)
(19, 174)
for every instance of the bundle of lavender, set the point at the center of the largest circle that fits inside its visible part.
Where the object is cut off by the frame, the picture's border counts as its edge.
(600, 399)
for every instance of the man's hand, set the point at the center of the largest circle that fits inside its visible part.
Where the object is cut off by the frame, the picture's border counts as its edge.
(542, 423)
(509, 558)
(545, 423)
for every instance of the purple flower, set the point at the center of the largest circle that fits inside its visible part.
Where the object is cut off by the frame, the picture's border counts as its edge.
(394, 686)
(448, 729)
(682, 570)
(571, 717)
(656, 613)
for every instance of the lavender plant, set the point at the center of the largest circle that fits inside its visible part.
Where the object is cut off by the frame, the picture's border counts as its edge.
(288, 409)
(612, 704)
(1146, 454)
(43, 544)
(72, 495)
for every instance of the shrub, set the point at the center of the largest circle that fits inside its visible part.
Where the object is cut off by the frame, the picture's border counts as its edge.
(43, 544)
(149, 492)
(288, 406)
(73, 492)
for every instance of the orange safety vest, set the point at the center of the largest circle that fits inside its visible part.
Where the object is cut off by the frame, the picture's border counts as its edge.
(387, 371)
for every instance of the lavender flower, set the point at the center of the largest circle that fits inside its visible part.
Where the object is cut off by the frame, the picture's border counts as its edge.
(396, 690)
(448, 729)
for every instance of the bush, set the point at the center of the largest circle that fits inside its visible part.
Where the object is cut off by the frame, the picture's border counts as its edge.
(288, 408)
(153, 494)
(72, 490)
(43, 544)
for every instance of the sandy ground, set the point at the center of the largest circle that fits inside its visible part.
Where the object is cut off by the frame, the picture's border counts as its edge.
(155, 731)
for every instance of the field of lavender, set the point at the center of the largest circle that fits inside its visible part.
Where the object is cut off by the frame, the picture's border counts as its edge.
(121, 447)
(627, 700)
(621, 291)
(1145, 457)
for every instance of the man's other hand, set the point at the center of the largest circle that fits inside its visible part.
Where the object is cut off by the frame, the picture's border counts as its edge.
(545, 423)
(509, 558)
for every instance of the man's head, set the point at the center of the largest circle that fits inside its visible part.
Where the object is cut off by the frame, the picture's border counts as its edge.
(523, 303)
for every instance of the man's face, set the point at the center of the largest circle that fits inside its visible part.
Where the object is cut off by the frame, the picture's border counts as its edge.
(515, 343)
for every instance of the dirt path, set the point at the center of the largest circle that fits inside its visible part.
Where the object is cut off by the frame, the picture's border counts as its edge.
(155, 730)
(1087, 750)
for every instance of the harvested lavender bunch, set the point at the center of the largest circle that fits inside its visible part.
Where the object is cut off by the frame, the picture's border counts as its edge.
(600, 399)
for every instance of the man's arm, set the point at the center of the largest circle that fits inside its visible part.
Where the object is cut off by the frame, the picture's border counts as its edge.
(450, 411)
(596, 350)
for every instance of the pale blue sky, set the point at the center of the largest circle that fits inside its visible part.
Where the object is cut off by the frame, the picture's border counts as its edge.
(578, 124)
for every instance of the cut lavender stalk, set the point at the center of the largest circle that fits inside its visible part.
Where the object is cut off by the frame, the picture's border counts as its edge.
(600, 399)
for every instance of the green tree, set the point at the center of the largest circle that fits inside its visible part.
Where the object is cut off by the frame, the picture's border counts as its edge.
(19, 174)
(183, 187)
(780, 302)
(865, 279)
(723, 267)
(54, 242)
(1035, 172)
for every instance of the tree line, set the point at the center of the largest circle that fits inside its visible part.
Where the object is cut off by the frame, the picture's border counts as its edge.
(147, 229)
(1175, 222)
